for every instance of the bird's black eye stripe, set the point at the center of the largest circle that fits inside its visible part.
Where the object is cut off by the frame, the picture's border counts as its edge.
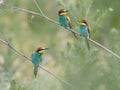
(43, 49)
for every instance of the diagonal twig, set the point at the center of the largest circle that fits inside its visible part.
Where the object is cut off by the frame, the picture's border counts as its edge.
(108, 50)
(39, 8)
(55, 22)
(103, 47)
(29, 59)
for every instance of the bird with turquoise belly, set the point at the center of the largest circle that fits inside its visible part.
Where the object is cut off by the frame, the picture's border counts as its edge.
(37, 58)
(84, 29)
(64, 20)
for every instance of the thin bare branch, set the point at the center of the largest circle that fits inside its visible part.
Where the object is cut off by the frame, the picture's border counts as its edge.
(29, 59)
(10, 46)
(74, 32)
(22, 9)
(55, 22)
(38, 7)
(106, 49)
(69, 84)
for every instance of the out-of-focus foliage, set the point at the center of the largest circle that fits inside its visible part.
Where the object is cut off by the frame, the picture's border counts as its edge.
(67, 57)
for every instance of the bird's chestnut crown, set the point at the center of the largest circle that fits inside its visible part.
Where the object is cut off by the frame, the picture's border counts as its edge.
(83, 22)
(41, 50)
(61, 11)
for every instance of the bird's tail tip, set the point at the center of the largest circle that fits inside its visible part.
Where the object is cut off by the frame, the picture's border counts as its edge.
(88, 45)
(35, 71)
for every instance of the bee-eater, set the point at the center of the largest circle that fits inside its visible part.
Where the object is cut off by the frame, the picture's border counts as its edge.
(64, 20)
(37, 58)
(84, 29)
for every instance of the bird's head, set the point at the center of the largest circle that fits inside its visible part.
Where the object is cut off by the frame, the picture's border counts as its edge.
(62, 12)
(42, 50)
(83, 22)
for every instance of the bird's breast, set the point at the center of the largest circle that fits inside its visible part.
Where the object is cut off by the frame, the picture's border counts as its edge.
(63, 21)
(36, 58)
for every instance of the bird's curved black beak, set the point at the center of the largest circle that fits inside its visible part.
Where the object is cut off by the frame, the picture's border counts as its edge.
(46, 48)
(67, 11)
(79, 20)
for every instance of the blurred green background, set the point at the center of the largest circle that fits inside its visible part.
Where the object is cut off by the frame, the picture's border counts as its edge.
(67, 57)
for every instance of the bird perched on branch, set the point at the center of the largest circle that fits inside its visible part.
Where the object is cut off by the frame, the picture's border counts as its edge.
(37, 58)
(84, 29)
(64, 20)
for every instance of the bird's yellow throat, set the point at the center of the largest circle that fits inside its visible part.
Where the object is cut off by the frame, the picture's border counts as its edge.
(63, 14)
(42, 51)
(81, 23)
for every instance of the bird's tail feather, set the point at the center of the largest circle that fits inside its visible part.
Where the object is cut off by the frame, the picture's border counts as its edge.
(87, 42)
(70, 26)
(35, 70)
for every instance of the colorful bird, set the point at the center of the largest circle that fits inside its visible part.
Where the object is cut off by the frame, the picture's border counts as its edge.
(64, 20)
(37, 58)
(84, 29)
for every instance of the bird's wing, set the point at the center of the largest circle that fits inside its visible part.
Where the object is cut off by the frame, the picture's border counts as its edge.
(88, 26)
(88, 30)
(69, 21)
(70, 25)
